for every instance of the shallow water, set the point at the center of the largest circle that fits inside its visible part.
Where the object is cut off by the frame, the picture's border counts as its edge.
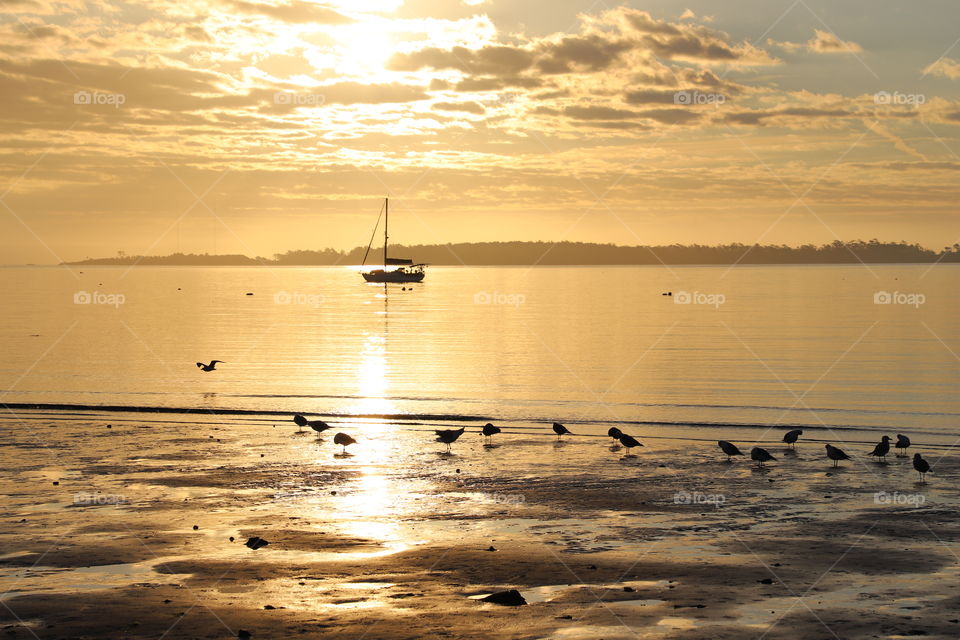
(788, 345)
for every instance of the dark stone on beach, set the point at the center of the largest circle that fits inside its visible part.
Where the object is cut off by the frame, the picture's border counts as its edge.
(241, 633)
(766, 581)
(629, 589)
(458, 470)
(333, 493)
(195, 527)
(109, 426)
(592, 567)
(56, 483)
(256, 543)
(167, 601)
(564, 617)
(231, 538)
(511, 598)
(491, 548)
(269, 607)
(249, 294)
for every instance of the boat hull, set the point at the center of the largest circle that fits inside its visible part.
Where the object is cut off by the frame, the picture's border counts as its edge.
(393, 276)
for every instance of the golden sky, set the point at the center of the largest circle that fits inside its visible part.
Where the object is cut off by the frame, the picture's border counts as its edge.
(257, 126)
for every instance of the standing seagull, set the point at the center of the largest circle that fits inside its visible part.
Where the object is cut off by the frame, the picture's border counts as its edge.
(882, 449)
(344, 440)
(836, 454)
(902, 443)
(560, 430)
(629, 442)
(790, 437)
(210, 367)
(730, 449)
(761, 456)
(317, 425)
(489, 430)
(448, 436)
(922, 467)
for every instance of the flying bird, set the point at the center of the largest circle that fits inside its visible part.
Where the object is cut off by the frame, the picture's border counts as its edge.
(902, 443)
(629, 442)
(449, 436)
(317, 425)
(835, 454)
(730, 449)
(560, 430)
(210, 367)
(922, 467)
(343, 440)
(761, 456)
(882, 448)
(791, 437)
(489, 430)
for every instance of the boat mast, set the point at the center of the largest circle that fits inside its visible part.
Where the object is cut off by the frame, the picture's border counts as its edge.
(386, 223)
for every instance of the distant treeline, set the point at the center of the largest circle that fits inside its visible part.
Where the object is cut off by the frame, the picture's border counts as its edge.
(574, 253)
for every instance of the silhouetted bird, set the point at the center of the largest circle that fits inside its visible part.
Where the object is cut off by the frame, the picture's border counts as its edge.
(761, 456)
(560, 430)
(629, 442)
(922, 466)
(489, 430)
(791, 437)
(902, 443)
(449, 436)
(614, 433)
(730, 449)
(835, 454)
(210, 367)
(343, 440)
(317, 425)
(882, 448)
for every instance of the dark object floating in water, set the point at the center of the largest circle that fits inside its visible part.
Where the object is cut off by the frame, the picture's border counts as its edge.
(256, 543)
(196, 527)
(729, 448)
(511, 598)
(405, 270)
(560, 430)
(629, 589)
(109, 426)
(343, 440)
(667, 293)
(231, 538)
(491, 548)
(243, 634)
(249, 294)
(766, 581)
(210, 367)
(269, 607)
(56, 483)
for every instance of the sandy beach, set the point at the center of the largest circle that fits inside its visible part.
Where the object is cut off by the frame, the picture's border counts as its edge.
(125, 532)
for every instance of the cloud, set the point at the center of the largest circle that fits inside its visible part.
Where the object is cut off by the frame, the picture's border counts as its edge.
(296, 11)
(469, 107)
(821, 42)
(897, 141)
(947, 67)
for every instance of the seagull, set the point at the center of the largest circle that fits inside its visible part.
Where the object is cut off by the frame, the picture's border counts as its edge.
(790, 437)
(317, 425)
(836, 454)
(922, 467)
(730, 449)
(882, 448)
(343, 440)
(489, 430)
(560, 430)
(614, 433)
(761, 456)
(629, 442)
(449, 436)
(210, 367)
(902, 443)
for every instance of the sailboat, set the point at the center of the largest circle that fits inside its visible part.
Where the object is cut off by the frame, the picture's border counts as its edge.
(405, 269)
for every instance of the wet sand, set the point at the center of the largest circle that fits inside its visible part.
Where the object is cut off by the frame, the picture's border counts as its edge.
(397, 540)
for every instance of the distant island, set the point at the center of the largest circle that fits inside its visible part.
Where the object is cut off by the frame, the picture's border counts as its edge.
(572, 253)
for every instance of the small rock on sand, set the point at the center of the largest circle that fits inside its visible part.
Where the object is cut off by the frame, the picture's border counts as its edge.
(256, 543)
(510, 598)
